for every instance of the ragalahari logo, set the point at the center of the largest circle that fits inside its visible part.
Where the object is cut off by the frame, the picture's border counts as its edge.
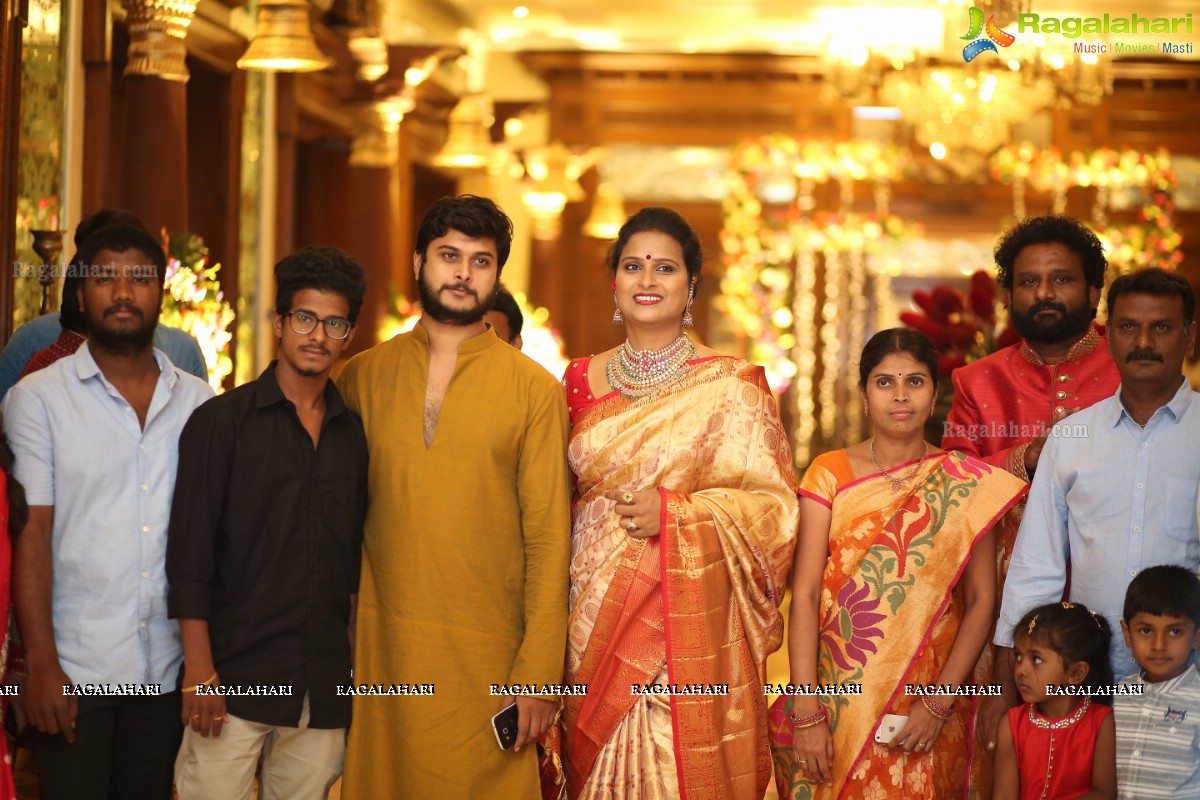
(983, 43)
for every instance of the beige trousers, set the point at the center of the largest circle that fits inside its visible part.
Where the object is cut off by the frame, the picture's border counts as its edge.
(300, 763)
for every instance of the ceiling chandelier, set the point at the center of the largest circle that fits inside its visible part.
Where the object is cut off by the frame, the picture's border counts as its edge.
(963, 100)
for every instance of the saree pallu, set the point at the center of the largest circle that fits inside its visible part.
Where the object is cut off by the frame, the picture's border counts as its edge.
(695, 606)
(889, 619)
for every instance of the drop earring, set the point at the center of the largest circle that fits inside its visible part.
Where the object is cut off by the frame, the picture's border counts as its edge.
(687, 312)
(617, 318)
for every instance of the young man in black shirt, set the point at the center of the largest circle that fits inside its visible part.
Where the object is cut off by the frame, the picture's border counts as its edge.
(264, 551)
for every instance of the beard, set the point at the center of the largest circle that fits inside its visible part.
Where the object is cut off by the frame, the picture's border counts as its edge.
(432, 305)
(122, 341)
(1072, 322)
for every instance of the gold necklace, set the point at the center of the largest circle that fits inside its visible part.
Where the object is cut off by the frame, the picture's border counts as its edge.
(897, 482)
(638, 373)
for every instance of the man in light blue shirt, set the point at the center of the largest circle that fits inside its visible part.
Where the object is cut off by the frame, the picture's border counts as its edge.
(1117, 488)
(96, 436)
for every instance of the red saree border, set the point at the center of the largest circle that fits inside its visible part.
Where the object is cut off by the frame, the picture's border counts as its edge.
(582, 750)
(663, 521)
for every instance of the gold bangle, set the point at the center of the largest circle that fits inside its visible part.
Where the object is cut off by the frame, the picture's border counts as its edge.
(812, 720)
(937, 709)
(192, 689)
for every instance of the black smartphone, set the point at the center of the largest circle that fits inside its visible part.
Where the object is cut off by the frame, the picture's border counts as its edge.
(504, 725)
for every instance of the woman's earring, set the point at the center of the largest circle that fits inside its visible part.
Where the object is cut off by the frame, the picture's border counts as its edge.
(617, 318)
(687, 312)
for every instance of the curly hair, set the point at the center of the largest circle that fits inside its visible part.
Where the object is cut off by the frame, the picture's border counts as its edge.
(1067, 231)
(327, 269)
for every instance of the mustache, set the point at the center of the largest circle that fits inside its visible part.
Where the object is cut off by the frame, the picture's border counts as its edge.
(1144, 355)
(114, 309)
(1047, 305)
(459, 287)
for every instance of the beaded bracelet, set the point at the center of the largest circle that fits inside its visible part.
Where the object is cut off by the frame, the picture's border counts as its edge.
(937, 709)
(816, 718)
(209, 682)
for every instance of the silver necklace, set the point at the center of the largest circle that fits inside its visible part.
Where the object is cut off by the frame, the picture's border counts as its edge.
(638, 373)
(897, 482)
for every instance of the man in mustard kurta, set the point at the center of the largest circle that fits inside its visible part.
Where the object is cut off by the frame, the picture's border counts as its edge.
(467, 540)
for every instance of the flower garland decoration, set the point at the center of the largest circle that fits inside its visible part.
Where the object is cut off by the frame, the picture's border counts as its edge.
(540, 340)
(763, 256)
(194, 302)
(1153, 241)
(963, 329)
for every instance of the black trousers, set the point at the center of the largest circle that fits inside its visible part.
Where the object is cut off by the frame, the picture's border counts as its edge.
(124, 749)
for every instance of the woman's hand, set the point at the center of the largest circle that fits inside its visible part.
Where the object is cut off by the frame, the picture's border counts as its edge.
(639, 511)
(813, 747)
(920, 733)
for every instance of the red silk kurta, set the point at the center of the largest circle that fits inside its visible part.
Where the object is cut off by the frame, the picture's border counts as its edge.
(1007, 399)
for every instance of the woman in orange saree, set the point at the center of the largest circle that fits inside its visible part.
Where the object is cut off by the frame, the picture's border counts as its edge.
(684, 525)
(893, 592)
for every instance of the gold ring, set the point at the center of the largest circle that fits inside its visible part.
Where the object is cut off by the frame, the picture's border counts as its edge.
(195, 717)
(632, 526)
(627, 497)
(219, 719)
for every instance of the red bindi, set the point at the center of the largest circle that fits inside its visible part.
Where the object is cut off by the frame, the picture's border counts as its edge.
(647, 256)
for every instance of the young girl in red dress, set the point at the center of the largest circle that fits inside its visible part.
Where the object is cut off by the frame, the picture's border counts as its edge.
(1061, 742)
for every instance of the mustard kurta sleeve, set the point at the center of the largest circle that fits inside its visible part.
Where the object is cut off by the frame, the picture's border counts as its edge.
(543, 487)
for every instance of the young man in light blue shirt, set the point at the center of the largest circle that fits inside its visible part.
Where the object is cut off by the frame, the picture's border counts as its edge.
(95, 437)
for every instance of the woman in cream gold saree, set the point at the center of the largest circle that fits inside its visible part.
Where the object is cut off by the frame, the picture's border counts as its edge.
(893, 591)
(684, 525)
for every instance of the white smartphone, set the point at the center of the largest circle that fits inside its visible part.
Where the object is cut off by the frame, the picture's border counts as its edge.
(890, 727)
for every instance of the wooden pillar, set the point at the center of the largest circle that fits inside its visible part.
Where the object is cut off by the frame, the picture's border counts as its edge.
(373, 173)
(97, 103)
(154, 165)
(287, 132)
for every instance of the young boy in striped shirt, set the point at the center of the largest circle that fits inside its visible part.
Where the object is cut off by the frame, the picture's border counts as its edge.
(1158, 731)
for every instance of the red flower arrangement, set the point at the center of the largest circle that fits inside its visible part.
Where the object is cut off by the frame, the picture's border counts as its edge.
(962, 329)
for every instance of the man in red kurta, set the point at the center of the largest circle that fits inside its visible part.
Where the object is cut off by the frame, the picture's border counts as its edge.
(1051, 270)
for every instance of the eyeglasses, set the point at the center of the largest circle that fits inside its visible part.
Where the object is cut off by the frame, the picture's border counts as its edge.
(304, 322)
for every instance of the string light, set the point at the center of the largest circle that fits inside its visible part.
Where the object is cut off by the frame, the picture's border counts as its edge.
(831, 346)
(859, 306)
(804, 313)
